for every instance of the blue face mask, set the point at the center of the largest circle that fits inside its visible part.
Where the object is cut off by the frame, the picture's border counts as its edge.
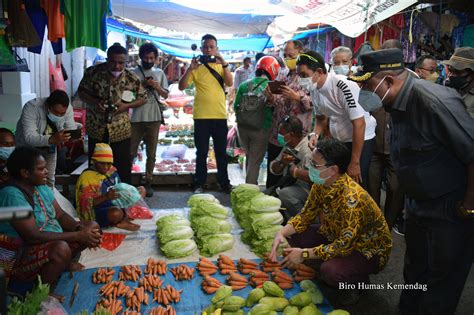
(5, 152)
(369, 100)
(315, 175)
(341, 69)
(281, 140)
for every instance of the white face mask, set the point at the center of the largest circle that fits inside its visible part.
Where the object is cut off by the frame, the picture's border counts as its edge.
(306, 84)
(116, 74)
(315, 84)
(342, 69)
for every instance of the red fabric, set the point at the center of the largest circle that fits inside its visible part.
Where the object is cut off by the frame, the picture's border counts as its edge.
(110, 241)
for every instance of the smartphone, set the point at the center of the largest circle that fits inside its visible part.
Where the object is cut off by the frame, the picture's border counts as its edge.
(75, 134)
(275, 86)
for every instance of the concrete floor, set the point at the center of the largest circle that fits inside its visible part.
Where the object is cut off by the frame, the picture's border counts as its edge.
(372, 302)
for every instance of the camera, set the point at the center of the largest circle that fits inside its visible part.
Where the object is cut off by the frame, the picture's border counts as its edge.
(207, 59)
(109, 112)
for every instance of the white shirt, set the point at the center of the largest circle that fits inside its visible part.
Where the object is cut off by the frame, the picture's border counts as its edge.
(241, 75)
(338, 100)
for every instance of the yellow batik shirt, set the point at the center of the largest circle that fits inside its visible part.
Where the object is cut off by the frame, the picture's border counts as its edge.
(98, 82)
(350, 220)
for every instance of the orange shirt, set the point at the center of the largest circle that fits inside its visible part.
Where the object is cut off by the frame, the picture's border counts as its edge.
(55, 19)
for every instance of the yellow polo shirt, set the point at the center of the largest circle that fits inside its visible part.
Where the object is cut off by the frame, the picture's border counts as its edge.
(209, 101)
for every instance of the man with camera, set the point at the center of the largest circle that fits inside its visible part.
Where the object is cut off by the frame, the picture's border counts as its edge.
(147, 119)
(292, 163)
(210, 74)
(110, 90)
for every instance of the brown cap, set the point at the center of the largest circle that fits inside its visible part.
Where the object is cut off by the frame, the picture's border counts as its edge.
(463, 58)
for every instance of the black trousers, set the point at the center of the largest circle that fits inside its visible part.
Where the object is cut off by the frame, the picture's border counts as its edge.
(272, 153)
(439, 253)
(122, 158)
(365, 157)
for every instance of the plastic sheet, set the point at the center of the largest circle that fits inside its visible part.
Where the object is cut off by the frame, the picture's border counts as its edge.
(175, 151)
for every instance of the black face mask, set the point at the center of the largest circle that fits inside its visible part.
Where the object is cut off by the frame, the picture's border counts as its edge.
(458, 83)
(147, 65)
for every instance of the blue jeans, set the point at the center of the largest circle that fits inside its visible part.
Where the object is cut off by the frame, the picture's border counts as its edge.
(204, 129)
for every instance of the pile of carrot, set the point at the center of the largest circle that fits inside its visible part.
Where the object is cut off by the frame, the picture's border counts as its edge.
(303, 272)
(131, 313)
(103, 275)
(283, 280)
(258, 278)
(270, 266)
(236, 281)
(114, 289)
(206, 267)
(167, 295)
(154, 267)
(226, 265)
(112, 305)
(135, 299)
(150, 282)
(163, 311)
(130, 272)
(210, 284)
(182, 272)
(246, 266)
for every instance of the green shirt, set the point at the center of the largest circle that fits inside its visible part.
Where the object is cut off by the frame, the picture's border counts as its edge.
(244, 88)
(45, 218)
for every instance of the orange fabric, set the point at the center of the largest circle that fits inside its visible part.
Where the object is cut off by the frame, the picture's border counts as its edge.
(55, 19)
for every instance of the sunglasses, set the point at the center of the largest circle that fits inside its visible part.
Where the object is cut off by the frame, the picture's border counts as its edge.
(310, 58)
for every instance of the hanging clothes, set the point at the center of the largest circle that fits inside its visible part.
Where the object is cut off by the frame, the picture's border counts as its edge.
(468, 38)
(20, 32)
(85, 23)
(55, 19)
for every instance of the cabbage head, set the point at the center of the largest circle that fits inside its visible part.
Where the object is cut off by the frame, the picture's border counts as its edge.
(268, 232)
(196, 199)
(179, 248)
(264, 203)
(265, 219)
(208, 209)
(215, 243)
(172, 233)
(172, 219)
(209, 225)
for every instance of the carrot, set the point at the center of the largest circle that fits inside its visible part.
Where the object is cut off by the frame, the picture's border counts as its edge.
(258, 273)
(244, 261)
(305, 273)
(226, 259)
(301, 278)
(236, 287)
(305, 268)
(210, 290)
(236, 276)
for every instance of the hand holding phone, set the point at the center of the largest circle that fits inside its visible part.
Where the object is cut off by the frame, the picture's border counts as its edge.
(275, 86)
(75, 134)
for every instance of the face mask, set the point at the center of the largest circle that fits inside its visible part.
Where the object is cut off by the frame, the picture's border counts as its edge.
(58, 120)
(342, 69)
(315, 84)
(5, 152)
(116, 74)
(433, 77)
(281, 140)
(147, 65)
(315, 175)
(306, 83)
(370, 100)
(458, 83)
(291, 63)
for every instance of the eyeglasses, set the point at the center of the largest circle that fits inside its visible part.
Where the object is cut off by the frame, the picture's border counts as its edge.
(316, 165)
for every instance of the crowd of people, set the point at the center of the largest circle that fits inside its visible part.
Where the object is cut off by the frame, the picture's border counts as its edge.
(331, 134)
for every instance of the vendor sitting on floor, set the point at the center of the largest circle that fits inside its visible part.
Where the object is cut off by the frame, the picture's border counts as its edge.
(45, 243)
(353, 239)
(94, 196)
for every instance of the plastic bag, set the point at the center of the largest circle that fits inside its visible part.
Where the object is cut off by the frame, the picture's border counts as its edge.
(56, 80)
(52, 307)
(110, 241)
(175, 151)
(140, 210)
(129, 195)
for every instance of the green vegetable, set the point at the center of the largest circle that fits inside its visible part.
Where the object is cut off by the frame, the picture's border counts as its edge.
(338, 312)
(261, 309)
(196, 199)
(32, 302)
(233, 303)
(272, 289)
(179, 248)
(221, 293)
(254, 296)
(316, 296)
(268, 232)
(209, 225)
(209, 309)
(290, 310)
(306, 285)
(310, 309)
(208, 209)
(215, 243)
(301, 299)
(263, 220)
(239, 312)
(264, 203)
(172, 219)
(172, 233)
(277, 303)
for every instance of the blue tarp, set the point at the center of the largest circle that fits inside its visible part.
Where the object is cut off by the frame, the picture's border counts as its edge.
(193, 299)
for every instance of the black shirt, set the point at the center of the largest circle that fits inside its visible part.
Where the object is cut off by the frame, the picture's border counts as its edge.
(432, 142)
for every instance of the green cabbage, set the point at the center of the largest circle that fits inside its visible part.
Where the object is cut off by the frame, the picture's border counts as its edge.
(208, 209)
(263, 247)
(264, 203)
(264, 220)
(172, 233)
(196, 199)
(209, 225)
(268, 232)
(172, 219)
(215, 243)
(179, 248)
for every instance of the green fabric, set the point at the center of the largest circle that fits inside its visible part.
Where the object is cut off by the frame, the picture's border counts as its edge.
(244, 88)
(85, 23)
(468, 39)
(12, 197)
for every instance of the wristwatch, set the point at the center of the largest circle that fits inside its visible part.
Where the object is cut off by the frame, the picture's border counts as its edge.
(305, 254)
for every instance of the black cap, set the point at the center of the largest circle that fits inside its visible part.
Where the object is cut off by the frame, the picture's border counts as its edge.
(376, 61)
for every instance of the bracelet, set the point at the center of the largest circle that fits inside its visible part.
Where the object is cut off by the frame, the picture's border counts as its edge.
(225, 66)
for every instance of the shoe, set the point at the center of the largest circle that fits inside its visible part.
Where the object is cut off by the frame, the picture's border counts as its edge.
(399, 227)
(149, 190)
(198, 190)
(226, 189)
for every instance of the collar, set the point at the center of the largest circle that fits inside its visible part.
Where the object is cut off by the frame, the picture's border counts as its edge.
(329, 77)
(303, 142)
(404, 94)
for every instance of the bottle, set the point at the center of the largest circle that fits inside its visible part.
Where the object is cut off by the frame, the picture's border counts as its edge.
(140, 153)
(262, 176)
